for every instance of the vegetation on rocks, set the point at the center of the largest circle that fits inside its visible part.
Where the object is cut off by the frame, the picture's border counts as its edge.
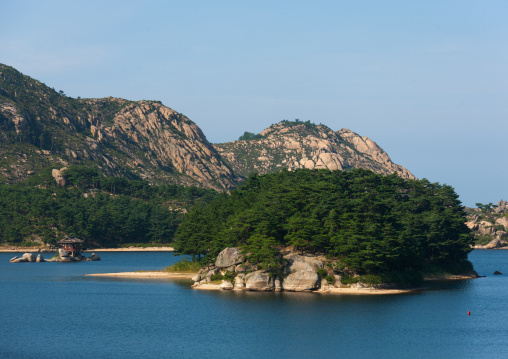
(365, 223)
(489, 224)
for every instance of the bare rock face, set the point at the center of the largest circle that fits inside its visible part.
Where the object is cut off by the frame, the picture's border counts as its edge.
(30, 257)
(226, 285)
(296, 145)
(489, 224)
(228, 257)
(136, 139)
(259, 281)
(58, 176)
(303, 273)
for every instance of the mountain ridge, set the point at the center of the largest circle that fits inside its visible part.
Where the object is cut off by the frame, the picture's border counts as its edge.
(298, 144)
(41, 128)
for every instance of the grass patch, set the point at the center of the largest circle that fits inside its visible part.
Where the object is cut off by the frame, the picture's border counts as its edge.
(184, 266)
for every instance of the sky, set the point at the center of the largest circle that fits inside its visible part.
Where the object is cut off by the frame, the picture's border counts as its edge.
(426, 80)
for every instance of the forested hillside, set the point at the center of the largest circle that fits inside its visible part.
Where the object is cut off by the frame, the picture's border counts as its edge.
(368, 223)
(104, 211)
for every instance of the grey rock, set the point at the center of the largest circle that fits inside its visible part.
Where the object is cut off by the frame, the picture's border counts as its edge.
(95, 257)
(40, 259)
(30, 257)
(63, 253)
(229, 257)
(13, 259)
(278, 285)
(196, 278)
(303, 273)
(245, 267)
(226, 285)
(240, 281)
(259, 281)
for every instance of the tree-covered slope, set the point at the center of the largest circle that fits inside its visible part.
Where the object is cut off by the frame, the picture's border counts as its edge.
(103, 211)
(369, 223)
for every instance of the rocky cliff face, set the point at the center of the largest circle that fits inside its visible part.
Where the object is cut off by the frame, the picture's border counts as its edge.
(42, 128)
(142, 139)
(489, 225)
(302, 145)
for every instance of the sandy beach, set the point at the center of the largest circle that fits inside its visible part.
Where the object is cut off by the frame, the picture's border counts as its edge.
(13, 249)
(355, 291)
(147, 274)
(176, 275)
(132, 249)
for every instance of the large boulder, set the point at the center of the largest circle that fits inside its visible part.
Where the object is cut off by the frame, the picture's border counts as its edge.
(58, 176)
(63, 253)
(30, 257)
(226, 285)
(13, 259)
(228, 257)
(40, 259)
(259, 281)
(302, 273)
(245, 267)
(495, 243)
(95, 257)
(240, 281)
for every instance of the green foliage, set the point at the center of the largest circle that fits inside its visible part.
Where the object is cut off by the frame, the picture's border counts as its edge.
(368, 223)
(321, 273)
(330, 279)
(485, 208)
(103, 211)
(216, 277)
(348, 280)
(248, 136)
(184, 266)
(229, 276)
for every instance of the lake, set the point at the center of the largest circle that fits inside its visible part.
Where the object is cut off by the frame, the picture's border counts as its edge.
(50, 310)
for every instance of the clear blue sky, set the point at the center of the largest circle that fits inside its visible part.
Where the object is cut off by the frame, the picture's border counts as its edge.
(426, 80)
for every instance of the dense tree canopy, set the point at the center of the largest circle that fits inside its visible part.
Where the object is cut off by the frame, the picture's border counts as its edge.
(370, 223)
(108, 211)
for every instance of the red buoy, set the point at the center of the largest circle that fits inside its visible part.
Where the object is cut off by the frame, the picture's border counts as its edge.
(468, 312)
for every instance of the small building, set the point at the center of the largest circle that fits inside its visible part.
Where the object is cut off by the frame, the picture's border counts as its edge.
(71, 245)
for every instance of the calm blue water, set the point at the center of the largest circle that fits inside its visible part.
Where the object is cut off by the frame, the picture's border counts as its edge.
(50, 310)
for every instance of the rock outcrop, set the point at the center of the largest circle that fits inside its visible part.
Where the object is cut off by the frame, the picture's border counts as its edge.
(135, 139)
(147, 140)
(63, 256)
(302, 273)
(296, 145)
(489, 225)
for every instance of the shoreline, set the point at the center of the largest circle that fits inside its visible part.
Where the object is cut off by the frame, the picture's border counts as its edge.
(13, 249)
(210, 286)
(147, 274)
(349, 291)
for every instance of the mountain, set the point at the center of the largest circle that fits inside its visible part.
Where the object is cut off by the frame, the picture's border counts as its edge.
(40, 127)
(305, 145)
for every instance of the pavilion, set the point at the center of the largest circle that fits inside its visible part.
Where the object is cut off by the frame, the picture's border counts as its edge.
(71, 245)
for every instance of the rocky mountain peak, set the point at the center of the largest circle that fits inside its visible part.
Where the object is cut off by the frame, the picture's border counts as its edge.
(305, 145)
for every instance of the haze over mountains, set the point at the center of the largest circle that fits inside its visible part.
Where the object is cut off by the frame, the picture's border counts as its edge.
(40, 128)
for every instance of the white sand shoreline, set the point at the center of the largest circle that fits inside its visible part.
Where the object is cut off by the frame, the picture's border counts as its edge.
(129, 249)
(147, 274)
(210, 286)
